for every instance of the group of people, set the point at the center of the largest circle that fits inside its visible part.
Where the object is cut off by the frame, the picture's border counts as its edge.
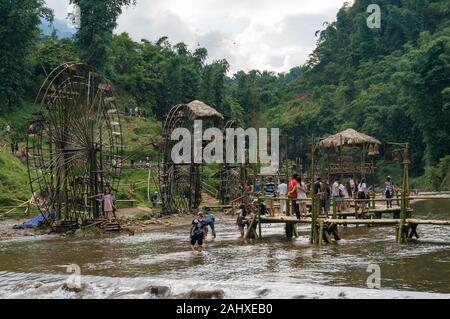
(140, 164)
(200, 227)
(137, 112)
(340, 190)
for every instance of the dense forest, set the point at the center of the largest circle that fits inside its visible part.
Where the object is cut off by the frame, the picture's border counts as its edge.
(392, 82)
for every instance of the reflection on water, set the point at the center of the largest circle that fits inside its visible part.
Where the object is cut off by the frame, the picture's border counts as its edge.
(121, 266)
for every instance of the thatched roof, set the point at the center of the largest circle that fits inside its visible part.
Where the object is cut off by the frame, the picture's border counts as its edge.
(350, 137)
(201, 110)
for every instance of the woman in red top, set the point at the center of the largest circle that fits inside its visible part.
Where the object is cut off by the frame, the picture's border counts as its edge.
(292, 193)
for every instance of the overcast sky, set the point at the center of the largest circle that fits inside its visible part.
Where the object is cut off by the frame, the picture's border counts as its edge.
(271, 35)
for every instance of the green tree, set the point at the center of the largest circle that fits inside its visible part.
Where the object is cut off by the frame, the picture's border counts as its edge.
(97, 21)
(19, 28)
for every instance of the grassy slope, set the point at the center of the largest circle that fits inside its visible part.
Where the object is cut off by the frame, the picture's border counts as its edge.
(13, 179)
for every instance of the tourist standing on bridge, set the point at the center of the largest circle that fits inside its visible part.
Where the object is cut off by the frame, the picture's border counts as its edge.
(257, 187)
(282, 193)
(352, 185)
(301, 196)
(326, 194)
(197, 233)
(389, 191)
(362, 194)
(335, 192)
(342, 196)
(292, 194)
(269, 193)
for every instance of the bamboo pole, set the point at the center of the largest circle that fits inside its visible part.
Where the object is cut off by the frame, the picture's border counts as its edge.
(312, 195)
(259, 222)
(249, 229)
(334, 208)
(404, 195)
(321, 232)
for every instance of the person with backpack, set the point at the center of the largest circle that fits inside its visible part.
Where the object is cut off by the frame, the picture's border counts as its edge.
(210, 220)
(362, 193)
(389, 190)
(197, 233)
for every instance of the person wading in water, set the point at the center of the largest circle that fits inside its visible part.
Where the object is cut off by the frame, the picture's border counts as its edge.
(240, 221)
(197, 233)
(210, 220)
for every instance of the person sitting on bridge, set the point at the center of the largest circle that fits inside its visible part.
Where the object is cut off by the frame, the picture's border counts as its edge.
(260, 206)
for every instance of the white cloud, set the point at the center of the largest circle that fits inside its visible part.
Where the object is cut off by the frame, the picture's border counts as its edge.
(252, 34)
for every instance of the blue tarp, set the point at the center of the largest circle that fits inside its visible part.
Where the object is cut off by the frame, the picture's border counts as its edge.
(32, 223)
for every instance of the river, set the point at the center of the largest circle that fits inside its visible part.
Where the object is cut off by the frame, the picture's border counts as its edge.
(123, 266)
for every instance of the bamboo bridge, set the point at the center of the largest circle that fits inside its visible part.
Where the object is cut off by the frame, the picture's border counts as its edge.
(324, 229)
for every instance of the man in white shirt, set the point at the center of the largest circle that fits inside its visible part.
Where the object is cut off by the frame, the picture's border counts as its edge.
(342, 195)
(335, 194)
(282, 193)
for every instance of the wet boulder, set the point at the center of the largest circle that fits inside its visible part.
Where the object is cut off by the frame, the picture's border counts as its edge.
(205, 294)
(263, 292)
(159, 291)
(73, 288)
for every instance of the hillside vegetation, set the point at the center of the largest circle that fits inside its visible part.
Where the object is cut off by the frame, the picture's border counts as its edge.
(392, 82)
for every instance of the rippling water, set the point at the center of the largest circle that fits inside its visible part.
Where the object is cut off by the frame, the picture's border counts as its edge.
(126, 266)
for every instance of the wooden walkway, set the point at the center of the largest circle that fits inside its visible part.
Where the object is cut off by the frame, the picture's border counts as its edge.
(353, 221)
(326, 228)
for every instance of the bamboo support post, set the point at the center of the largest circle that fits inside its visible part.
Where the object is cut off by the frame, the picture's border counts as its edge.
(320, 232)
(249, 229)
(334, 208)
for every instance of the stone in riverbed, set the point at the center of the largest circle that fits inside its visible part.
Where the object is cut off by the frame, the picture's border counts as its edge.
(207, 294)
(263, 292)
(38, 284)
(73, 288)
(160, 291)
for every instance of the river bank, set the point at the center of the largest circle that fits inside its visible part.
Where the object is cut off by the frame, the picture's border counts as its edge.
(134, 220)
(160, 264)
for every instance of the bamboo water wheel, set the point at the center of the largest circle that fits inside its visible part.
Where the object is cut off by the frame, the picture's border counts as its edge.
(180, 184)
(75, 145)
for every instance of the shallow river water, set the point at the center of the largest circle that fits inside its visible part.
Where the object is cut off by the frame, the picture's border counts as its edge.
(126, 266)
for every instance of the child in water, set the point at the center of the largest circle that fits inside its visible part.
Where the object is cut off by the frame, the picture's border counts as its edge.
(240, 222)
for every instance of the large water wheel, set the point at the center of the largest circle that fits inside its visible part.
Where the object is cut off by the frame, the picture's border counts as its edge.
(75, 146)
(180, 185)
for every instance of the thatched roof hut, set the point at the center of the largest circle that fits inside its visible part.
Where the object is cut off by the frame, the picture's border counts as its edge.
(203, 111)
(349, 137)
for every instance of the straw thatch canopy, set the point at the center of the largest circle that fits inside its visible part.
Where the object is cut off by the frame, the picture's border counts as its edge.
(203, 111)
(349, 137)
